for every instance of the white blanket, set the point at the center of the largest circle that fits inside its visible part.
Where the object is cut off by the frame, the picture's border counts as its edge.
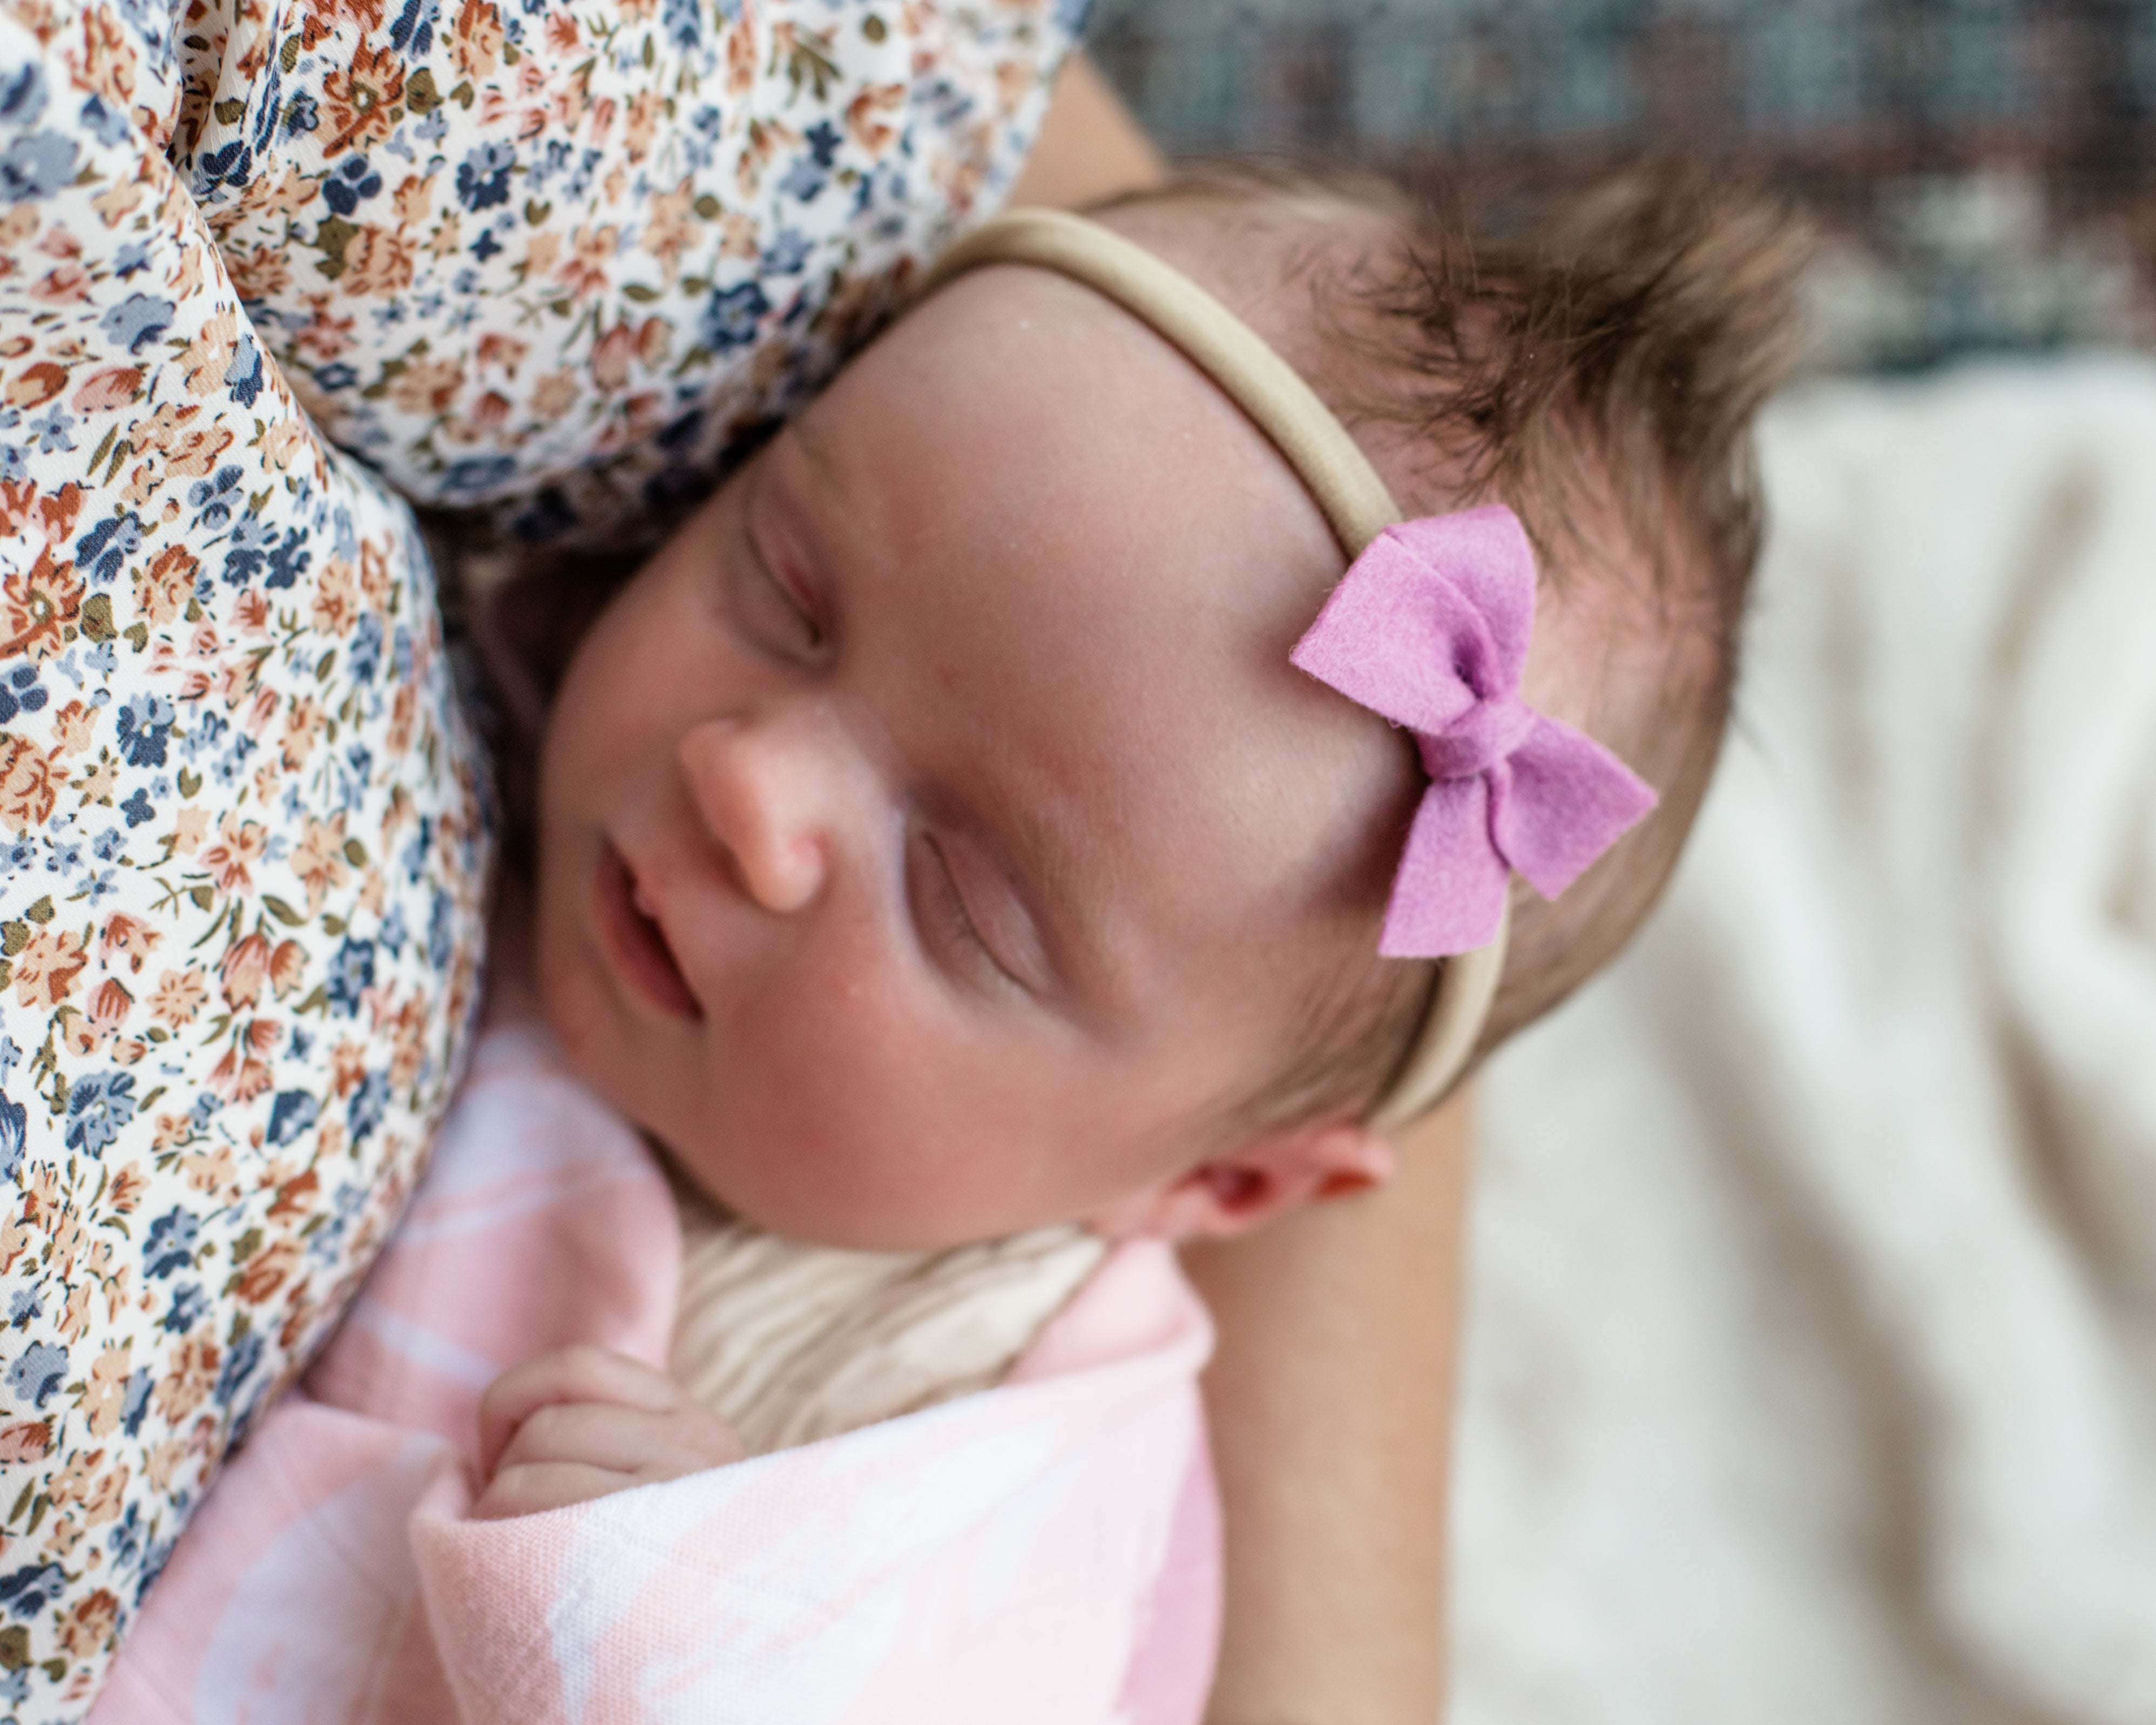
(1811, 1366)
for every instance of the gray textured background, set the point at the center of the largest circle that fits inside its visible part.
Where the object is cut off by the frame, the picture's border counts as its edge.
(1985, 170)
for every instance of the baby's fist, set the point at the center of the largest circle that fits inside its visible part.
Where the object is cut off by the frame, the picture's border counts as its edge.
(576, 1425)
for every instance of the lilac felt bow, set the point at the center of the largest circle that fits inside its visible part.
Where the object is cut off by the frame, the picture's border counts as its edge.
(1428, 629)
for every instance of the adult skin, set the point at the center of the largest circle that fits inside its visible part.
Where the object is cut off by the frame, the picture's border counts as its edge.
(1331, 1395)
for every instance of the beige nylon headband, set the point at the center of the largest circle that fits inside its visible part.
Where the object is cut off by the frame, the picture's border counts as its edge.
(1340, 479)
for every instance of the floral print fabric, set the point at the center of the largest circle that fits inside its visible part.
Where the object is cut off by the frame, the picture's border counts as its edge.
(556, 257)
(546, 258)
(240, 910)
(242, 861)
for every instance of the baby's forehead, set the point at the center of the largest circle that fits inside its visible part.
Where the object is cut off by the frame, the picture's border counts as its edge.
(1083, 569)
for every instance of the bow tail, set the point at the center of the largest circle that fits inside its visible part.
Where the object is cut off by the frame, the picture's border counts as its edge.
(1568, 799)
(1449, 896)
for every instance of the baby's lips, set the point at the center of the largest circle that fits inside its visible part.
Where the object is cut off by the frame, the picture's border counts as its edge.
(633, 932)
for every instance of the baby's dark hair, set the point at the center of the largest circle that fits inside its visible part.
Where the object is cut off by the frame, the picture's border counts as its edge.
(1605, 364)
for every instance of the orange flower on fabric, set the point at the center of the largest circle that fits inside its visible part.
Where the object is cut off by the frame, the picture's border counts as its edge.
(38, 606)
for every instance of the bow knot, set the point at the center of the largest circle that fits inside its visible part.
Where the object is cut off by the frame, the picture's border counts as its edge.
(1488, 733)
(1428, 629)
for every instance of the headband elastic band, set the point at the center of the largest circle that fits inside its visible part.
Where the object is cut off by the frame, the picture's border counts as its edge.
(1341, 481)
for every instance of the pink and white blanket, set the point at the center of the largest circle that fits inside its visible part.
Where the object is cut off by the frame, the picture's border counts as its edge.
(1046, 1550)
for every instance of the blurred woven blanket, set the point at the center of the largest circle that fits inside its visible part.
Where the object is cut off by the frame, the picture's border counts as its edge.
(1811, 1370)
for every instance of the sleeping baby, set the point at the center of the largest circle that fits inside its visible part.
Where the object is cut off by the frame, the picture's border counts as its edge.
(926, 863)
(993, 829)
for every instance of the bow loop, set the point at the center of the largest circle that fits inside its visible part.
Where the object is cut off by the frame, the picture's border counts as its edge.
(1430, 629)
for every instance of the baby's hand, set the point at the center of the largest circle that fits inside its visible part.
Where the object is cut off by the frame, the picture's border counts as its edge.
(571, 1426)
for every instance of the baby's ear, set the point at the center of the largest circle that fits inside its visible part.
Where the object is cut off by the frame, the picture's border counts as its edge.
(1253, 1183)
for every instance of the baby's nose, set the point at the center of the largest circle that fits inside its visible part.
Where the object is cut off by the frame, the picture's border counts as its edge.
(760, 793)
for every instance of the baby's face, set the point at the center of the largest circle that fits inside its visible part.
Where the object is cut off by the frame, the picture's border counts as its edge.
(935, 832)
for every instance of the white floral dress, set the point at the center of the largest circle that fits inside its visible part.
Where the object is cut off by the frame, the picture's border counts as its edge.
(545, 259)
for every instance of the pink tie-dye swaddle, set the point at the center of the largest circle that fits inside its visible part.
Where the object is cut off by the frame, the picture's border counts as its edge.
(1046, 1550)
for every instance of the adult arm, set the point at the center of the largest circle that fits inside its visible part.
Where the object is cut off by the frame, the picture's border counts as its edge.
(1330, 1401)
(1090, 147)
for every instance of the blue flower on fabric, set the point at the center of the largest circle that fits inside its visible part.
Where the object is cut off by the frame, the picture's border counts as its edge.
(104, 122)
(24, 1305)
(54, 434)
(483, 176)
(36, 165)
(20, 692)
(264, 102)
(352, 974)
(243, 376)
(243, 551)
(369, 1102)
(335, 376)
(240, 1364)
(98, 1106)
(108, 844)
(553, 157)
(154, 1559)
(23, 94)
(440, 938)
(230, 165)
(292, 1114)
(14, 1136)
(189, 1303)
(102, 552)
(139, 810)
(136, 1403)
(302, 115)
(731, 317)
(132, 258)
(364, 659)
(214, 499)
(803, 180)
(144, 726)
(288, 561)
(136, 319)
(352, 183)
(478, 473)
(413, 32)
(124, 1542)
(785, 255)
(683, 21)
(170, 1244)
(415, 853)
(39, 1370)
(29, 1590)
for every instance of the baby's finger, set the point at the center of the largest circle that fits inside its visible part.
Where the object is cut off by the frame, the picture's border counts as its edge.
(570, 1375)
(527, 1491)
(599, 1434)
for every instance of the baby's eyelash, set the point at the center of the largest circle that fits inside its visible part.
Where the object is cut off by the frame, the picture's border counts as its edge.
(811, 626)
(955, 923)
